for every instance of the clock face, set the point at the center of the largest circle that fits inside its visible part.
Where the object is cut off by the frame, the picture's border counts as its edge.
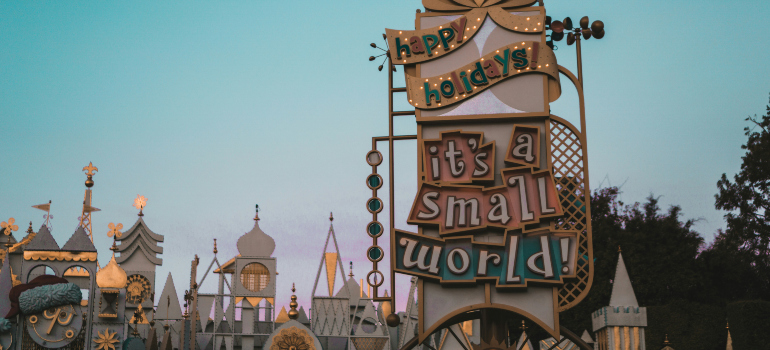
(138, 289)
(55, 327)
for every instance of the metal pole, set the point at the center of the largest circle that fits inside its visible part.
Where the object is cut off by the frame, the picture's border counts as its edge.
(391, 179)
(579, 60)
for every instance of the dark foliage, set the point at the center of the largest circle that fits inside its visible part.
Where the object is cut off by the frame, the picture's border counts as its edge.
(749, 323)
(660, 252)
(747, 198)
(689, 325)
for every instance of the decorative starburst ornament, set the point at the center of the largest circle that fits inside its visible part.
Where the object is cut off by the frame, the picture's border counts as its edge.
(9, 227)
(106, 340)
(139, 203)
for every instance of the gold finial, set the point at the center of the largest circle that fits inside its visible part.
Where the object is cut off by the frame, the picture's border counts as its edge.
(138, 317)
(9, 226)
(618, 248)
(293, 313)
(351, 270)
(29, 229)
(728, 325)
(215, 246)
(523, 326)
(666, 342)
(139, 203)
(256, 216)
(115, 234)
(90, 173)
(331, 216)
(115, 230)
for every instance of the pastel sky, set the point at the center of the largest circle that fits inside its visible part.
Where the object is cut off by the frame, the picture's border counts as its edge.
(210, 107)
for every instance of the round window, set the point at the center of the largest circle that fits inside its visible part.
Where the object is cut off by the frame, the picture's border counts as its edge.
(255, 277)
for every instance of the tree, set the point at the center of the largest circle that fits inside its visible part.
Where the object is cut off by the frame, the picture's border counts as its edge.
(747, 199)
(659, 249)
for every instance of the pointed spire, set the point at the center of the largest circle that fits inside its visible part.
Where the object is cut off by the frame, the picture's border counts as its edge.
(152, 338)
(43, 240)
(166, 343)
(168, 304)
(282, 317)
(586, 337)
(622, 291)
(79, 242)
(302, 318)
(729, 338)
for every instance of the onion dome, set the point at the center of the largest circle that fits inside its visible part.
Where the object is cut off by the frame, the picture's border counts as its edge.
(256, 242)
(111, 276)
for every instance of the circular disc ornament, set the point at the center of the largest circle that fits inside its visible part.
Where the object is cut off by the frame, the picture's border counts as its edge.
(138, 289)
(374, 253)
(374, 181)
(55, 327)
(375, 278)
(374, 205)
(374, 157)
(374, 229)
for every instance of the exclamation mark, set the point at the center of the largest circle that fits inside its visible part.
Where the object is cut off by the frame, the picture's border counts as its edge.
(535, 52)
(564, 254)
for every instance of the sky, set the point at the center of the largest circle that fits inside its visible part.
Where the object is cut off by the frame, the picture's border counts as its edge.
(207, 108)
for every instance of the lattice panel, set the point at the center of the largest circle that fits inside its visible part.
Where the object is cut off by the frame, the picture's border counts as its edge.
(331, 317)
(569, 172)
(367, 343)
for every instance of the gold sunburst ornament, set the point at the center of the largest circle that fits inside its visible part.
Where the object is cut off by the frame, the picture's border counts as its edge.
(139, 203)
(9, 227)
(292, 338)
(106, 340)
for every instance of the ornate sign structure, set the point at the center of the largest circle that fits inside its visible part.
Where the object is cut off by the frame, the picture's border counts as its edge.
(502, 207)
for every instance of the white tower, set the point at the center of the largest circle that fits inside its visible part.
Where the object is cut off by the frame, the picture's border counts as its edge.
(621, 324)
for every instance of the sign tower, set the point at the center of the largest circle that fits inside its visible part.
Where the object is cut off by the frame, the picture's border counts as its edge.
(502, 206)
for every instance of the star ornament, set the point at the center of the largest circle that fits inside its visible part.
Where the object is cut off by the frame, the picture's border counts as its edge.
(140, 202)
(115, 230)
(106, 340)
(9, 227)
